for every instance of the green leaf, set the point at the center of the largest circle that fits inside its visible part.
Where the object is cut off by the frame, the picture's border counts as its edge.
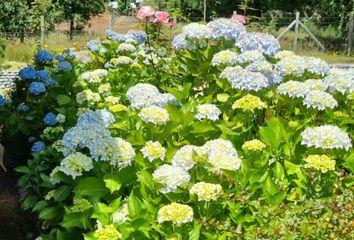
(61, 193)
(195, 233)
(112, 182)
(49, 213)
(270, 187)
(349, 162)
(278, 170)
(63, 100)
(222, 97)
(134, 206)
(73, 220)
(23, 169)
(29, 202)
(91, 186)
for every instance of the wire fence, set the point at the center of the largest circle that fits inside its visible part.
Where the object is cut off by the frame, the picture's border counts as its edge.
(326, 30)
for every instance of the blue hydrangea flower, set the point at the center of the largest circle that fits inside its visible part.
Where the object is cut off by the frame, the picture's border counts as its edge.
(262, 42)
(22, 107)
(50, 119)
(28, 73)
(38, 146)
(70, 53)
(43, 57)
(44, 76)
(94, 45)
(36, 88)
(64, 67)
(141, 37)
(60, 58)
(118, 38)
(2, 101)
(109, 33)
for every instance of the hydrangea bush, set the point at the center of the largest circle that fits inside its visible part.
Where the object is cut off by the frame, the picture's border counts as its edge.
(224, 138)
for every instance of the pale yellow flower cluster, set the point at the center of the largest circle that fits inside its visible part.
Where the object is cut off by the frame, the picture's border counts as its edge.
(249, 103)
(176, 213)
(320, 162)
(206, 191)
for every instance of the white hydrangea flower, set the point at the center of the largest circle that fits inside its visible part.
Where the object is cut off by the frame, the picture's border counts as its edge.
(340, 80)
(285, 54)
(60, 118)
(87, 96)
(223, 57)
(171, 177)
(267, 69)
(316, 66)
(327, 137)
(222, 155)
(104, 88)
(208, 111)
(320, 100)
(125, 152)
(184, 157)
(75, 164)
(249, 57)
(94, 76)
(153, 150)
(126, 47)
(146, 95)
(314, 84)
(196, 31)
(121, 215)
(240, 78)
(155, 115)
(293, 89)
(291, 66)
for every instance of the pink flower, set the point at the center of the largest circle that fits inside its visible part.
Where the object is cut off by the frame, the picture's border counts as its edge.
(239, 18)
(161, 17)
(171, 24)
(145, 13)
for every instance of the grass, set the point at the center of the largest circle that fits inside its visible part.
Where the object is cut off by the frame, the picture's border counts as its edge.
(18, 53)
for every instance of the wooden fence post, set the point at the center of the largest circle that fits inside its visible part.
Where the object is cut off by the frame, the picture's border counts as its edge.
(205, 7)
(42, 31)
(350, 33)
(296, 30)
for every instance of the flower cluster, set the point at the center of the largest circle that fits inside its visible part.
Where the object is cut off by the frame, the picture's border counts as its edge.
(320, 100)
(43, 57)
(223, 57)
(327, 137)
(208, 111)
(249, 103)
(50, 119)
(36, 88)
(94, 76)
(176, 213)
(221, 155)
(91, 133)
(206, 191)
(75, 164)
(107, 233)
(240, 78)
(340, 80)
(297, 66)
(249, 57)
(146, 95)
(38, 146)
(262, 42)
(153, 150)
(184, 157)
(322, 163)
(154, 115)
(87, 96)
(171, 177)
(226, 28)
(253, 146)
(80, 205)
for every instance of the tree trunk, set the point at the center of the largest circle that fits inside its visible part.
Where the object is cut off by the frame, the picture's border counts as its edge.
(72, 28)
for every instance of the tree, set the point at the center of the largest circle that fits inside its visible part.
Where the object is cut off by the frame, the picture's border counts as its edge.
(78, 12)
(14, 17)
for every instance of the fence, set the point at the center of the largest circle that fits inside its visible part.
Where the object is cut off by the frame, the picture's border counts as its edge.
(324, 31)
